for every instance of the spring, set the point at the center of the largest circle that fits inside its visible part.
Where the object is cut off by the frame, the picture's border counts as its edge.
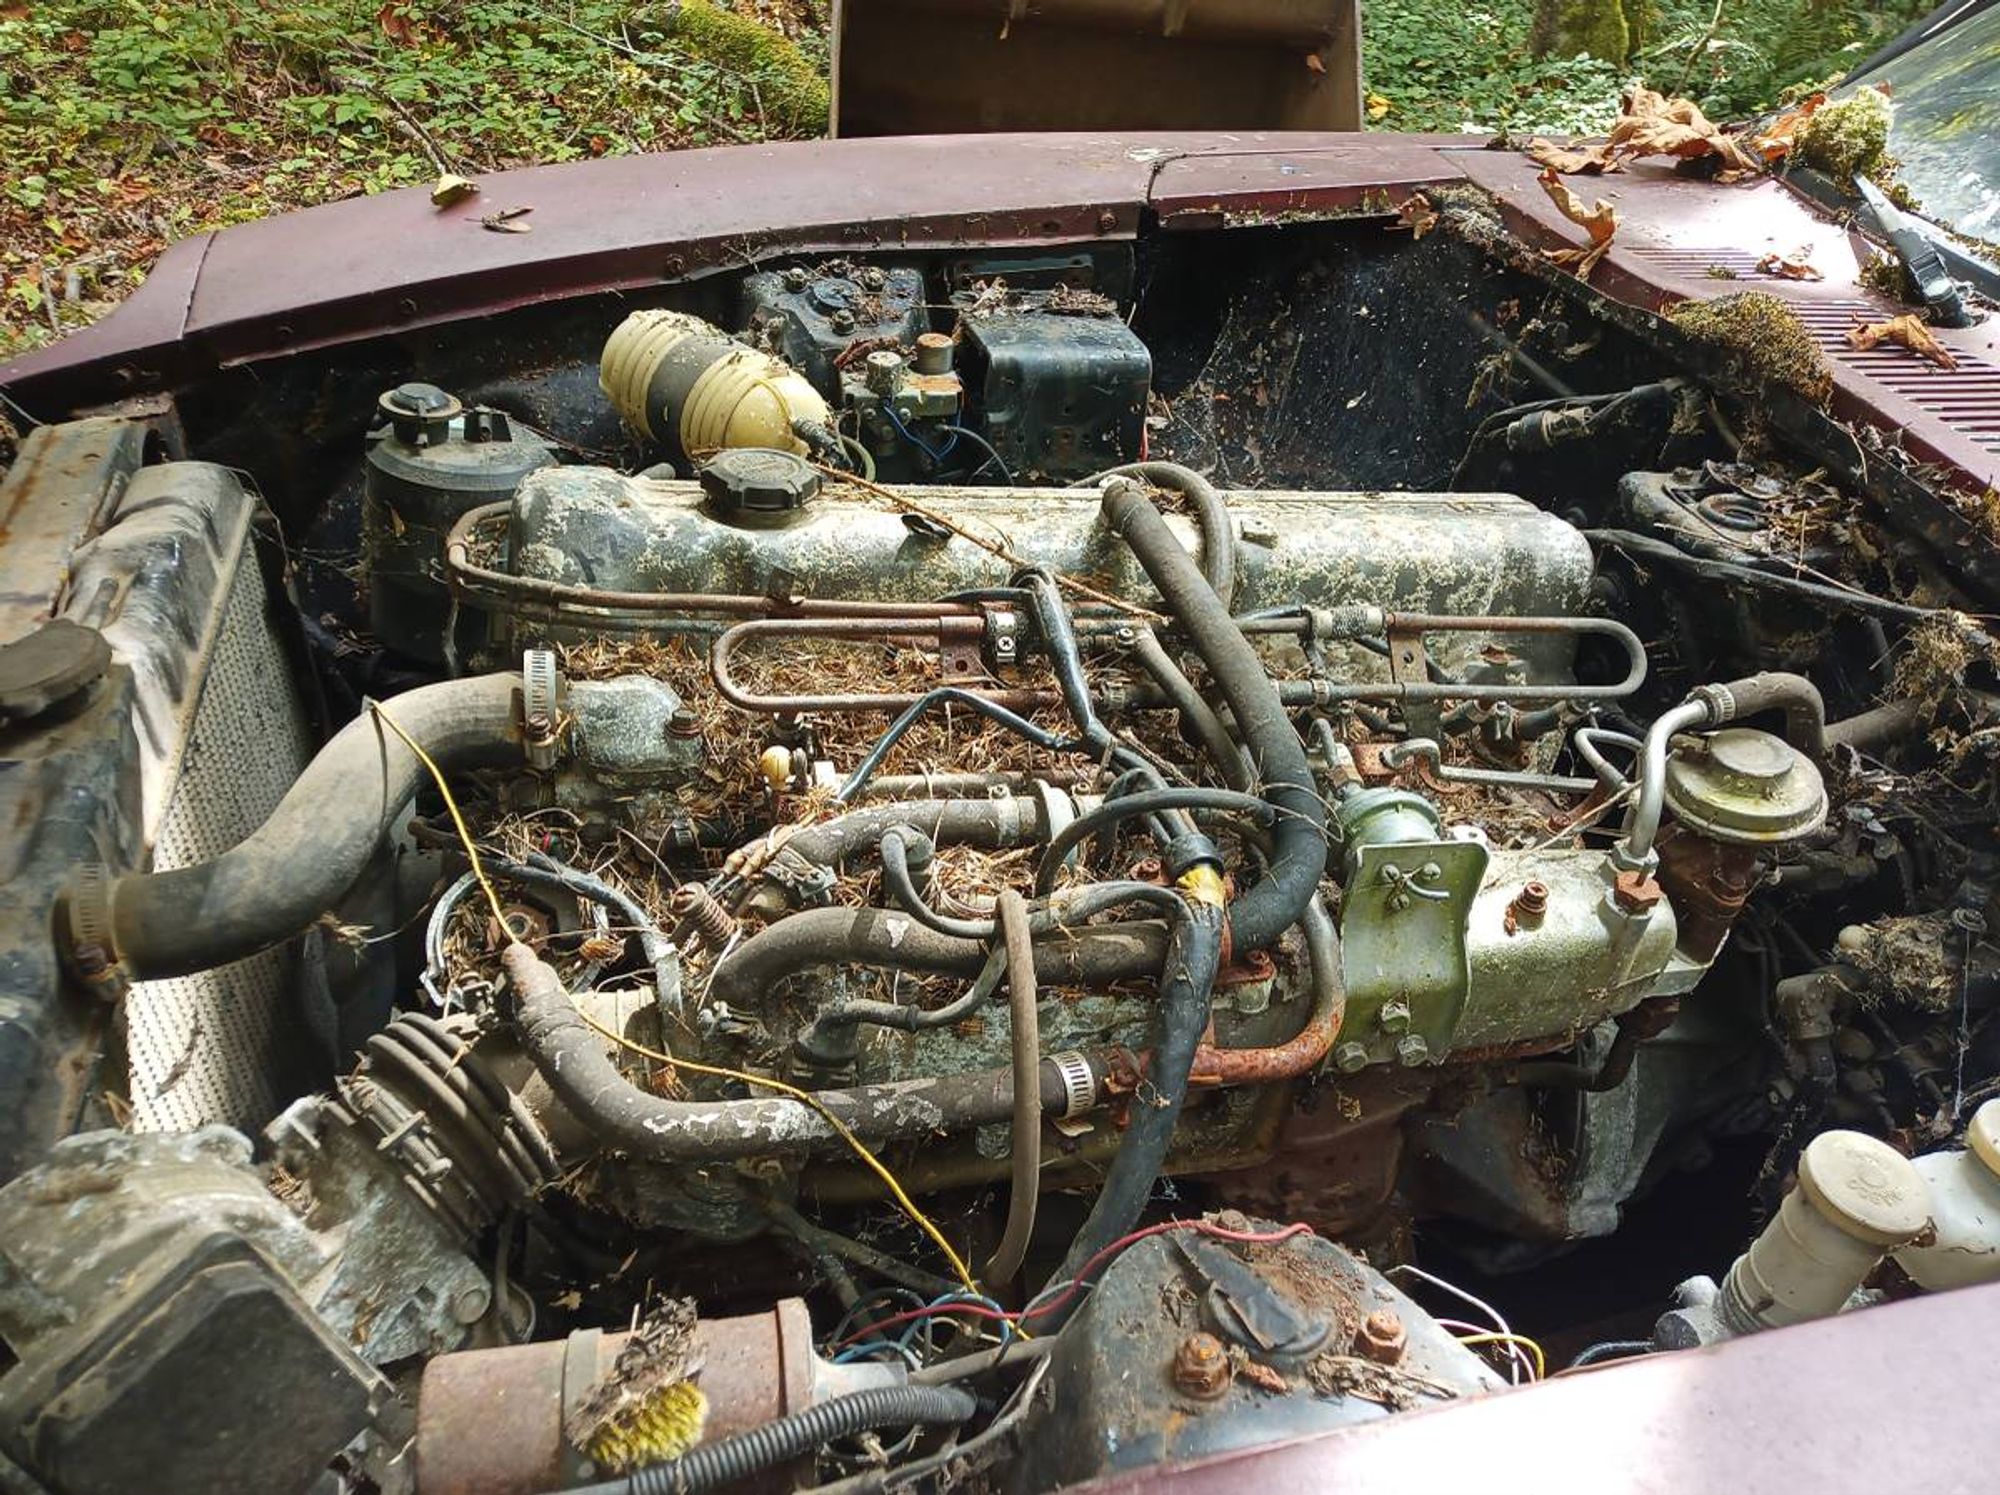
(707, 922)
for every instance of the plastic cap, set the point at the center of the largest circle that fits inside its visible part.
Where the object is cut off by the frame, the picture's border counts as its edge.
(1864, 1187)
(1982, 1134)
(759, 479)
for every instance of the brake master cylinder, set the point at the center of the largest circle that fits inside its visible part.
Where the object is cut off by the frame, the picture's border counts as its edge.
(1964, 1185)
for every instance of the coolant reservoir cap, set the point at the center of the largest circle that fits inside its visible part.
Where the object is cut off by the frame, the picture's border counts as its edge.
(1744, 786)
(1982, 1134)
(753, 480)
(1864, 1187)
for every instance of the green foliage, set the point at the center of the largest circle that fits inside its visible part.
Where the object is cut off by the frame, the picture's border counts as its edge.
(127, 123)
(1452, 67)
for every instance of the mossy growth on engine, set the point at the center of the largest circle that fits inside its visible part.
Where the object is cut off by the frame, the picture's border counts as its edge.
(1763, 340)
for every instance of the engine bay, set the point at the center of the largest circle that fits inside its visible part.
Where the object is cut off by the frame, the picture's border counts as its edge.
(992, 868)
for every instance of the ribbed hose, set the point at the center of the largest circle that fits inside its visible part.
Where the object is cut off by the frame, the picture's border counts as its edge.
(710, 1466)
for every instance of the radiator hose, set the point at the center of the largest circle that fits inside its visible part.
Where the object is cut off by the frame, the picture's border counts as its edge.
(274, 883)
(711, 1466)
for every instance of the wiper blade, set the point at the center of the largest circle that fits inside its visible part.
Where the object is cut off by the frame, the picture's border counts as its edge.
(1942, 296)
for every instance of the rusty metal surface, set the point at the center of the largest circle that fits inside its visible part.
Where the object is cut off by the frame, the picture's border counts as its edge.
(65, 479)
(357, 269)
(1672, 229)
(907, 66)
(1876, 1400)
(489, 1422)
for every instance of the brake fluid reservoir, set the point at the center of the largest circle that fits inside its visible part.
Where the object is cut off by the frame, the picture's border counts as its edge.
(1856, 1199)
(1965, 1209)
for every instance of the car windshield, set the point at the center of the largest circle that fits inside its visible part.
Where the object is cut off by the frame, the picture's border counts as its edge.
(1946, 127)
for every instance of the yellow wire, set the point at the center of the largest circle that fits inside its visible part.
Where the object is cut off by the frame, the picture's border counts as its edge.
(861, 1151)
(840, 1127)
(1541, 1360)
(458, 820)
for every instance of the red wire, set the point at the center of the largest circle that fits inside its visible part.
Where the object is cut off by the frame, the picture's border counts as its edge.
(1248, 1237)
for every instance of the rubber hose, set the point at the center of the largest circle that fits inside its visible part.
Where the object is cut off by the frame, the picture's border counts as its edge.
(1145, 802)
(1211, 517)
(1187, 984)
(901, 885)
(1203, 725)
(710, 1466)
(1095, 955)
(570, 1056)
(990, 824)
(314, 847)
(1260, 916)
(1025, 1033)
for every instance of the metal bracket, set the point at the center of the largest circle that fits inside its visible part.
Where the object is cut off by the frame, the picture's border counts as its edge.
(1408, 664)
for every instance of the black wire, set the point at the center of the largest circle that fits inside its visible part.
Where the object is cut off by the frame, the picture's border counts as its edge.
(1144, 803)
(992, 457)
(1612, 1349)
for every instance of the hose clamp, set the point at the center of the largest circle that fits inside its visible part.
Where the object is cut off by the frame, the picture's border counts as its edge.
(1078, 1081)
(88, 911)
(539, 686)
(1720, 701)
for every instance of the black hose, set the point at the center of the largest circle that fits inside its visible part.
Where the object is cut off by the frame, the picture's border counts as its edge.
(990, 824)
(1200, 719)
(1187, 984)
(1096, 955)
(570, 1056)
(544, 871)
(902, 889)
(316, 844)
(1865, 603)
(1146, 802)
(1611, 1349)
(710, 1466)
(1211, 517)
(946, 695)
(1260, 916)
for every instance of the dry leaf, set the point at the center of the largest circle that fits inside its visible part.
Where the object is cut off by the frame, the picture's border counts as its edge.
(1313, 63)
(1599, 221)
(1909, 331)
(1651, 125)
(1794, 266)
(1575, 160)
(1776, 143)
(1378, 107)
(395, 22)
(450, 189)
(508, 221)
(1417, 215)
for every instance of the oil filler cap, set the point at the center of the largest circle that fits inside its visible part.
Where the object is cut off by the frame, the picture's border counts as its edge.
(1745, 787)
(754, 483)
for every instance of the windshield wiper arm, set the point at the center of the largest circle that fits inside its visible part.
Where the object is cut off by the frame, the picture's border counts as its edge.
(1920, 257)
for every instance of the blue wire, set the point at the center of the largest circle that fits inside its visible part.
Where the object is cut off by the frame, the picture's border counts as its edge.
(916, 441)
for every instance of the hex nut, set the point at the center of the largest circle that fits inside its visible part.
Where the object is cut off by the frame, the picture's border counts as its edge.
(1201, 1367)
(1383, 1337)
(1350, 1058)
(1411, 1050)
(1636, 892)
(1394, 1017)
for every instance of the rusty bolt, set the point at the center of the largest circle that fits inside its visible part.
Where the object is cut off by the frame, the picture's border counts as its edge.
(796, 279)
(1350, 1057)
(842, 320)
(1383, 1337)
(1106, 221)
(683, 723)
(1635, 892)
(1201, 1367)
(1533, 899)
